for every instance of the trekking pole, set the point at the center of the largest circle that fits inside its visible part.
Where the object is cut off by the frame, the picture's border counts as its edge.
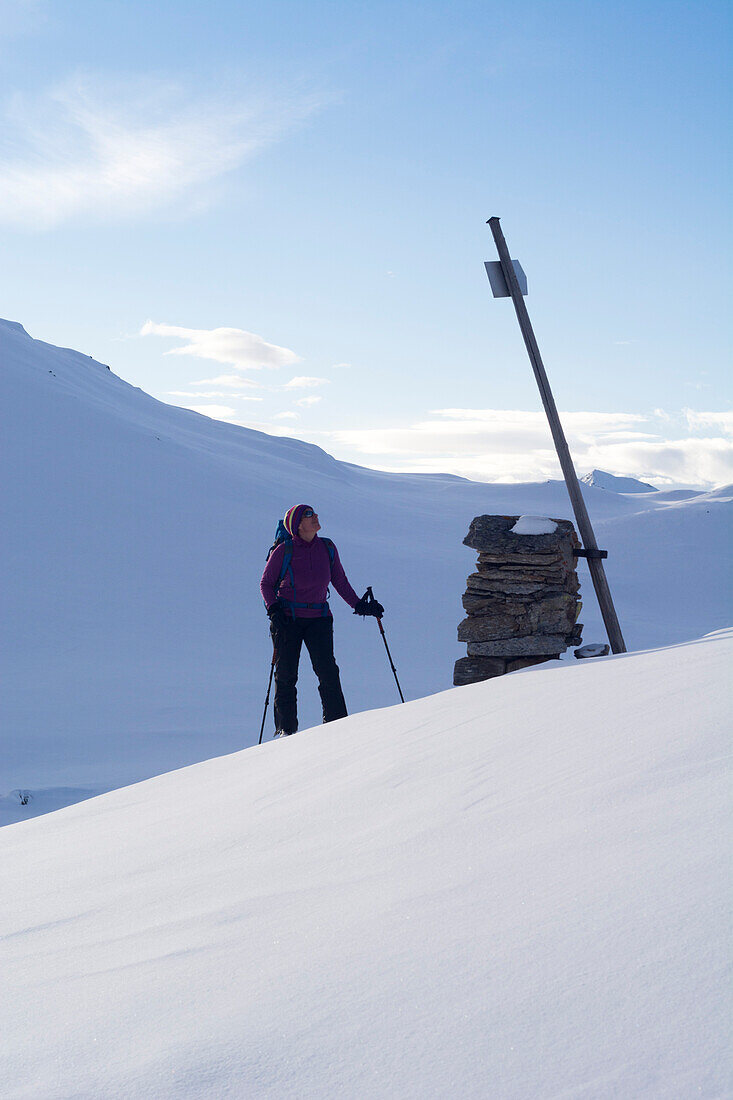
(369, 596)
(267, 698)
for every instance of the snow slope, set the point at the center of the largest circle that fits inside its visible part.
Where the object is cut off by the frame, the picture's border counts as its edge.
(133, 538)
(508, 890)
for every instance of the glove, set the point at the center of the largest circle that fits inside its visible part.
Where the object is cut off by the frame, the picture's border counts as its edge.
(277, 618)
(367, 606)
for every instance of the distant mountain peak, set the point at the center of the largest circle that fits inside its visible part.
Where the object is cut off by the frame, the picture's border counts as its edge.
(601, 479)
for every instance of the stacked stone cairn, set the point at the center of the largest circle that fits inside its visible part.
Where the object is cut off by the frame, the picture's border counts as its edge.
(522, 602)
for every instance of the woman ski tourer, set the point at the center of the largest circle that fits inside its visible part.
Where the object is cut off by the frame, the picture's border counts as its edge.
(294, 586)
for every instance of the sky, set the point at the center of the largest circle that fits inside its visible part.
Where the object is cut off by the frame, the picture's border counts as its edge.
(275, 215)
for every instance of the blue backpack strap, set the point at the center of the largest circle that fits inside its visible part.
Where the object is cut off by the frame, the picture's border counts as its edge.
(331, 555)
(286, 569)
(285, 566)
(331, 550)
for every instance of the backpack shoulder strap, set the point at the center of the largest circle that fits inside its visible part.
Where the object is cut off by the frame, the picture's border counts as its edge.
(287, 545)
(331, 550)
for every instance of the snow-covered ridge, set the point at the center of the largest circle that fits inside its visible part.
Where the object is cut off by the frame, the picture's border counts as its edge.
(134, 636)
(14, 327)
(514, 889)
(615, 484)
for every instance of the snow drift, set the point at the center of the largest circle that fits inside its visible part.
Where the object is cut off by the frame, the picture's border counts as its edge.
(133, 541)
(513, 889)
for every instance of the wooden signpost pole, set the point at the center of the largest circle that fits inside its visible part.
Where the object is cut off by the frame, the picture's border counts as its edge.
(591, 551)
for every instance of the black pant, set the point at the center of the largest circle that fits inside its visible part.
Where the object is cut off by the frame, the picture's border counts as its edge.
(318, 637)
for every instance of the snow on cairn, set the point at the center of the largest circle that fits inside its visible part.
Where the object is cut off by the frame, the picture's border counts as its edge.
(534, 525)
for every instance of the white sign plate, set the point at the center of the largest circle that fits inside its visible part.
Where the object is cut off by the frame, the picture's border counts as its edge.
(498, 283)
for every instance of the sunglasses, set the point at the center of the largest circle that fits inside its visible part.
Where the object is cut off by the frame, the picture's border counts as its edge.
(308, 513)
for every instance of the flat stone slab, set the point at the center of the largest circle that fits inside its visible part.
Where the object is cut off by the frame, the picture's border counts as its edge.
(472, 670)
(521, 574)
(546, 645)
(492, 534)
(484, 628)
(476, 582)
(541, 561)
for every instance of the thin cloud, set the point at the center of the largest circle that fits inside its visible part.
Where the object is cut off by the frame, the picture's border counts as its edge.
(723, 421)
(303, 382)
(233, 380)
(707, 462)
(579, 421)
(463, 431)
(616, 437)
(287, 416)
(212, 393)
(233, 346)
(305, 401)
(110, 152)
(512, 445)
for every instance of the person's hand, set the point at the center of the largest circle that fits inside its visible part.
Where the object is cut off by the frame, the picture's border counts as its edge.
(367, 606)
(277, 618)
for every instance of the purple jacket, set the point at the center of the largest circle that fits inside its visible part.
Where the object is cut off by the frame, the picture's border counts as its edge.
(313, 572)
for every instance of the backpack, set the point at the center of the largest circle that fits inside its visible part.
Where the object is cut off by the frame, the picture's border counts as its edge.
(282, 536)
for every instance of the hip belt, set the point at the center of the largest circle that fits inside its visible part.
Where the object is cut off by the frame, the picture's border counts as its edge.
(322, 607)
